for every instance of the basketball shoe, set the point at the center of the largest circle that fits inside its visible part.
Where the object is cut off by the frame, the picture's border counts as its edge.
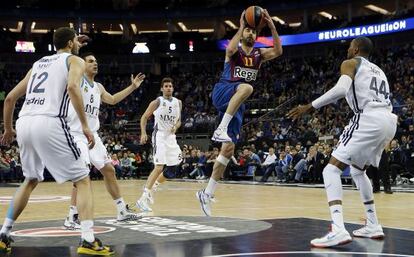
(72, 224)
(337, 236)
(128, 214)
(220, 135)
(205, 201)
(5, 243)
(373, 231)
(94, 248)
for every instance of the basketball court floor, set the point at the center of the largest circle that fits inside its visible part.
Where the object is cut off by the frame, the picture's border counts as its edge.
(248, 220)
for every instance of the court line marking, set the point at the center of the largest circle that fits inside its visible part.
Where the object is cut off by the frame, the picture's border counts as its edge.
(310, 252)
(358, 223)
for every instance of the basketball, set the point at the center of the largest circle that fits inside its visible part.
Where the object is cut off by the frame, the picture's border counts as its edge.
(254, 16)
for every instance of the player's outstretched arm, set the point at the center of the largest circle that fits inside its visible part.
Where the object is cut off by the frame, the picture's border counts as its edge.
(337, 92)
(234, 42)
(76, 71)
(276, 50)
(121, 95)
(8, 109)
(144, 118)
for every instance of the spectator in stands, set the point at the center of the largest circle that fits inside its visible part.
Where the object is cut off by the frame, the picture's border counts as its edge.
(316, 163)
(117, 165)
(282, 167)
(126, 165)
(210, 161)
(4, 168)
(253, 163)
(200, 166)
(269, 164)
(397, 161)
(297, 166)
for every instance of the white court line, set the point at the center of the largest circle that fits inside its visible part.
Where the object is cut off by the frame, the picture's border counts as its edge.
(359, 223)
(310, 252)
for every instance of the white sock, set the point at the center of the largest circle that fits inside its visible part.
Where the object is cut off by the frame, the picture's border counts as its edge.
(333, 185)
(7, 226)
(120, 204)
(371, 213)
(337, 216)
(365, 189)
(87, 231)
(72, 211)
(211, 187)
(226, 120)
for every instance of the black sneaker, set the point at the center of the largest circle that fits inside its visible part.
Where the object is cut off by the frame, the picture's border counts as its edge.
(5, 242)
(94, 248)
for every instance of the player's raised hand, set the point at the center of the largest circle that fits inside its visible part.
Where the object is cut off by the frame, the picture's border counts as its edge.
(268, 19)
(143, 138)
(7, 137)
(136, 82)
(298, 111)
(83, 40)
(242, 20)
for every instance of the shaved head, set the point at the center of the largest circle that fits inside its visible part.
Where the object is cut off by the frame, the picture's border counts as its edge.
(360, 46)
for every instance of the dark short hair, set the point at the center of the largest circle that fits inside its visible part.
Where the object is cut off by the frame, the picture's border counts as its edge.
(62, 36)
(86, 54)
(364, 44)
(166, 80)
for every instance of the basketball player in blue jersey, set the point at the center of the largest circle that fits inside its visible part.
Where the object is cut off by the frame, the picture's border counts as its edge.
(235, 86)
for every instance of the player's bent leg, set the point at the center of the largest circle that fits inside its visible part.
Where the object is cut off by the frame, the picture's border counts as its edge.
(243, 92)
(16, 207)
(146, 198)
(89, 244)
(372, 228)
(72, 221)
(124, 213)
(333, 185)
(206, 196)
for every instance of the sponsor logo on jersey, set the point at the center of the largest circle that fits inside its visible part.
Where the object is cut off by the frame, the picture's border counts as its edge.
(168, 118)
(34, 100)
(245, 73)
(91, 110)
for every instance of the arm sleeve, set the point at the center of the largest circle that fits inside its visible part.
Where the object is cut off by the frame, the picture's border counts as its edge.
(335, 93)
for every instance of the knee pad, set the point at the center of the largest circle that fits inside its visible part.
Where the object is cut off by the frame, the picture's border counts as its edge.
(170, 172)
(332, 180)
(223, 160)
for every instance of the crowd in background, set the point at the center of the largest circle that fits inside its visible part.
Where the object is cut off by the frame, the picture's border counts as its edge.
(303, 78)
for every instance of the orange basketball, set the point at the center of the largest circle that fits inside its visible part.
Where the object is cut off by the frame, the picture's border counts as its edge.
(254, 16)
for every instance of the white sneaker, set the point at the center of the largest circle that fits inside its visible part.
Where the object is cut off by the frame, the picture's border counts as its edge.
(337, 236)
(412, 180)
(72, 224)
(220, 135)
(143, 204)
(205, 202)
(128, 214)
(370, 231)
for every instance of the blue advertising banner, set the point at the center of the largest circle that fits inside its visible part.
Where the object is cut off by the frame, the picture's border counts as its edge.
(331, 35)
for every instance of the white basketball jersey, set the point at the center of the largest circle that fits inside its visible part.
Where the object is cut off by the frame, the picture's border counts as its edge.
(369, 89)
(167, 114)
(46, 92)
(91, 95)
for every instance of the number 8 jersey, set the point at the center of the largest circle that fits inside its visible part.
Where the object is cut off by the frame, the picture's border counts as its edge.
(369, 89)
(46, 92)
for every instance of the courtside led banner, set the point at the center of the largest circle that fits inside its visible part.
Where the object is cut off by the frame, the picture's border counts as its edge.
(331, 35)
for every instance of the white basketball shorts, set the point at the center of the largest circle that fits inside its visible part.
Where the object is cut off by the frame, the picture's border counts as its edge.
(97, 156)
(46, 142)
(166, 151)
(365, 137)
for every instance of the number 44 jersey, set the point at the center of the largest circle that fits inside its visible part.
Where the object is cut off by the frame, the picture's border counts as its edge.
(369, 89)
(46, 92)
